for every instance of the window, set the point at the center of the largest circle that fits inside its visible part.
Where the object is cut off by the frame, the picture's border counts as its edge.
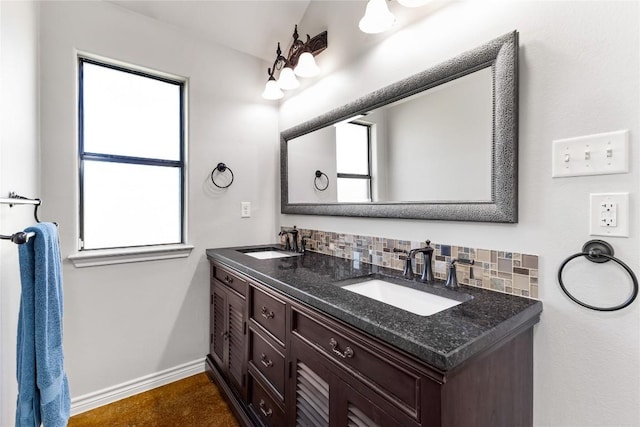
(353, 154)
(131, 152)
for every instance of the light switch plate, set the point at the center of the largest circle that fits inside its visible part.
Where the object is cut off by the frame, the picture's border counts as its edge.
(245, 209)
(609, 214)
(598, 154)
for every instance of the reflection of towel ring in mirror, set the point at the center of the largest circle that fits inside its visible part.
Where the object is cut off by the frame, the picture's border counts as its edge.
(221, 168)
(319, 175)
(599, 251)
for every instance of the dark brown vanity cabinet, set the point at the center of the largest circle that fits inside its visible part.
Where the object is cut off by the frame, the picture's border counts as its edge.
(228, 326)
(283, 363)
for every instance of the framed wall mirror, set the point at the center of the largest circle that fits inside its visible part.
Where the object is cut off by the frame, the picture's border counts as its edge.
(440, 145)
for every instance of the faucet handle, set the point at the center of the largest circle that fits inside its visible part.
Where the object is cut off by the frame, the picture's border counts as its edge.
(452, 277)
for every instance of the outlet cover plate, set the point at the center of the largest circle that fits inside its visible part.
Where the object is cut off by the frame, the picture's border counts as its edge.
(609, 214)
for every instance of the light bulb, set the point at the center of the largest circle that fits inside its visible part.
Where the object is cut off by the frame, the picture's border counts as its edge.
(272, 90)
(287, 79)
(307, 66)
(377, 17)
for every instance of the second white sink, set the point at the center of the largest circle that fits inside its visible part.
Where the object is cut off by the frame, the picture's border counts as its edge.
(409, 299)
(270, 254)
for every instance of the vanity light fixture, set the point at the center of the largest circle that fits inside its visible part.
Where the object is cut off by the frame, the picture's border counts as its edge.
(377, 17)
(299, 61)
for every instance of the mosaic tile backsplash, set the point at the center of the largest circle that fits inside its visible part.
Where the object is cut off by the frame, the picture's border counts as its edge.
(507, 272)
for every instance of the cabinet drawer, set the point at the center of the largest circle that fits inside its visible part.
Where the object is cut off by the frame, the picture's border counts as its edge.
(232, 280)
(268, 312)
(267, 360)
(388, 375)
(263, 406)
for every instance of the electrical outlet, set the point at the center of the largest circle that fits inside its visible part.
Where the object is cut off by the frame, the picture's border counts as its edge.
(245, 210)
(609, 214)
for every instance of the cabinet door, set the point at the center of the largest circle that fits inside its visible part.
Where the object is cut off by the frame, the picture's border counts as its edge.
(228, 332)
(235, 342)
(218, 327)
(309, 400)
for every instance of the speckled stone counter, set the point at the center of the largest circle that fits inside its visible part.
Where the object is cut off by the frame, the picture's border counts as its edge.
(443, 340)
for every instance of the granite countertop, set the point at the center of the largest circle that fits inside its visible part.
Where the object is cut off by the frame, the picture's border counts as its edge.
(443, 340)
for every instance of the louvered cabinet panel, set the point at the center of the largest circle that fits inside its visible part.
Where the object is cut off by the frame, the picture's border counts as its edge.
(228, 335)
(218, 326)
(364, 409)
(312, 398)
(236, 341)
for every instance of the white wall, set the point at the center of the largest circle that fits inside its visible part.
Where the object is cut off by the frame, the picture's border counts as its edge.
(18, 172)
(579, 64)
(123, 322)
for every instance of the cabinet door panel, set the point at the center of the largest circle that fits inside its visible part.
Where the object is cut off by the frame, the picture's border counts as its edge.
(310, 388)
(236, 331)
(218, 326)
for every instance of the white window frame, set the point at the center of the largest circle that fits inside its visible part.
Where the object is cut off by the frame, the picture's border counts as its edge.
(94, 257)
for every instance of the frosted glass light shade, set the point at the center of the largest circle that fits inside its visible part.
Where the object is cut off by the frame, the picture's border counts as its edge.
(272, 90)
(413, 3)
(307, 66)
(377, 17)
(287, 80)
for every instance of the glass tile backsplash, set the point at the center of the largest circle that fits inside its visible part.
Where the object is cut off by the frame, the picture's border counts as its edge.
(507, 272)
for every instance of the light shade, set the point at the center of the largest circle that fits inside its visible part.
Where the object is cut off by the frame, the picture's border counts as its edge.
(307, 66)
(413, 3)
(272, 90)
(377, 17)
(287, 79)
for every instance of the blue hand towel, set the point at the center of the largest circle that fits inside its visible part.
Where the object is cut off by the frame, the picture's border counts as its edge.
(43, 390)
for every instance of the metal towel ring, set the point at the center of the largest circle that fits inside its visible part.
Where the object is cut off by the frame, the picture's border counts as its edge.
(599, 251)
(319, 174)
(221, 167)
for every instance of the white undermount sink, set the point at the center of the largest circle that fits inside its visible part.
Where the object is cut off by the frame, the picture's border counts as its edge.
(268, 253)
(409, 299)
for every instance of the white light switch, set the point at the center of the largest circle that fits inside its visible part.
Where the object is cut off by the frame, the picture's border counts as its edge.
(245, 210)
(598, 154)
(609, 214)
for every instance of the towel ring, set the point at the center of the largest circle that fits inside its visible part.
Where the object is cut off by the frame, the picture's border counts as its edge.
(599, 251)
(221, 168)
(319, 175)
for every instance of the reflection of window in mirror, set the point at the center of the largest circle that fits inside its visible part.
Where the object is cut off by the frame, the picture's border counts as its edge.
(353, 162)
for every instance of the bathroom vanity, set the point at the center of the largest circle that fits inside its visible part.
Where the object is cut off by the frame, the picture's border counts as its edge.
(290, 345)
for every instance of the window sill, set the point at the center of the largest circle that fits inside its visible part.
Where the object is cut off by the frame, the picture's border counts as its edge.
(127, 255)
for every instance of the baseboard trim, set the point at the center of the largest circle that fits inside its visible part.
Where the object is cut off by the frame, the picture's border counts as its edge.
(108, 395)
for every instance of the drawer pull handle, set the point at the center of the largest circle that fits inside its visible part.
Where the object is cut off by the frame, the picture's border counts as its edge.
(228, 279)
(266, 362)
(266, 313)
(266, 413)
(348, 351)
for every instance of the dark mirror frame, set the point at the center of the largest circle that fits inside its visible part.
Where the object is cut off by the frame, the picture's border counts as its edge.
(501, 54)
